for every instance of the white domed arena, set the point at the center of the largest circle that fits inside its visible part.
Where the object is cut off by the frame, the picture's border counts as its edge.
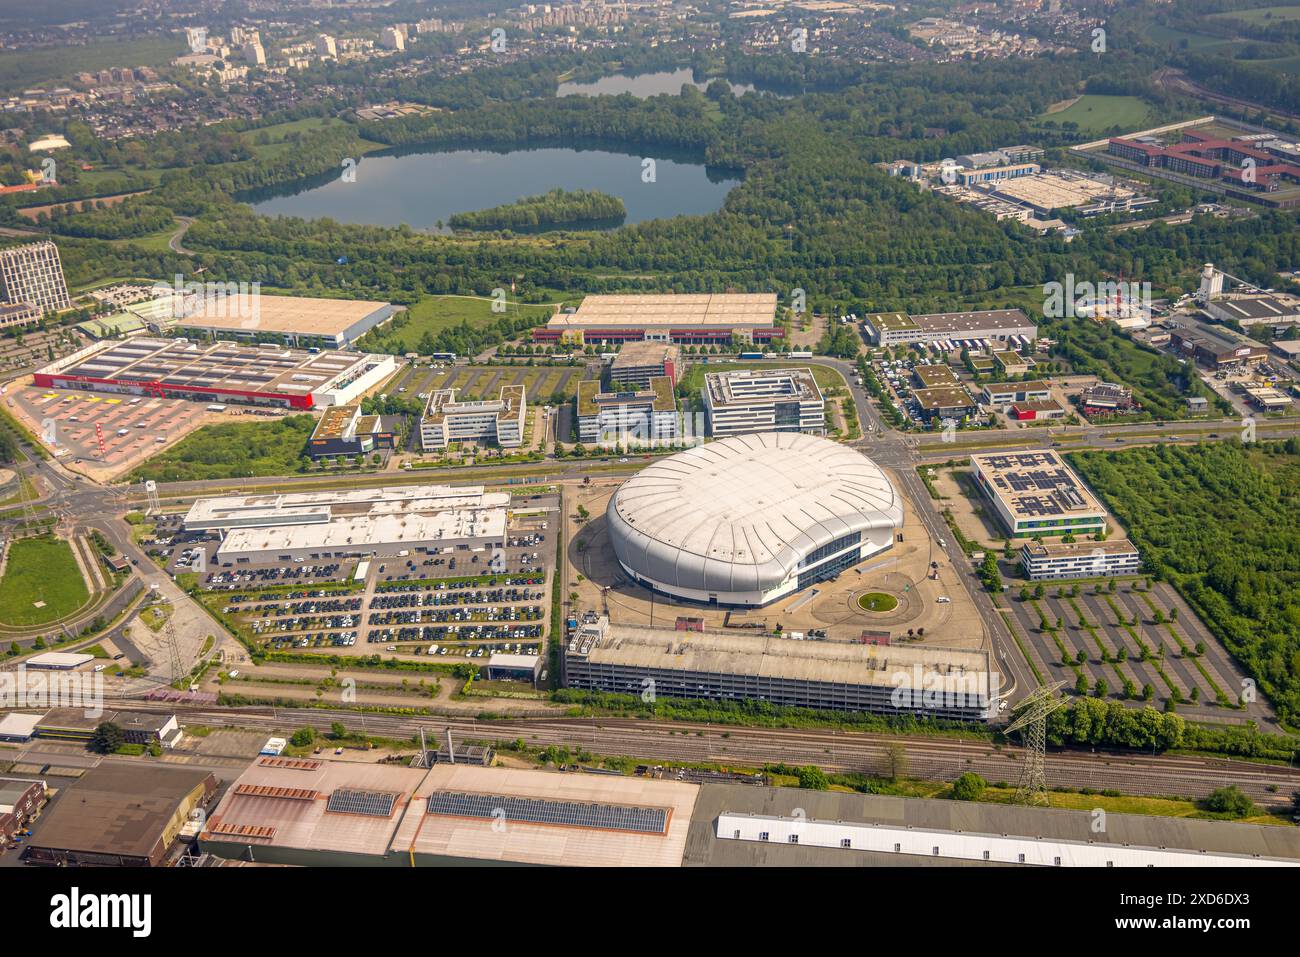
(750, 519)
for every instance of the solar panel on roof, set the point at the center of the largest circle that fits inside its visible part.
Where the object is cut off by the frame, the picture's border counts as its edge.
(609, 817)
(372, 803)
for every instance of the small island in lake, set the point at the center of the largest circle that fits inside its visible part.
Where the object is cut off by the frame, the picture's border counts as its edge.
(554, 208)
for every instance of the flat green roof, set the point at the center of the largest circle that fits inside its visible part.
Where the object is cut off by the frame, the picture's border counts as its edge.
(891, 321)
(660, 392)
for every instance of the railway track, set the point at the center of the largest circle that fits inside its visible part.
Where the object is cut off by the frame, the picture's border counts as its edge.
(931, 758)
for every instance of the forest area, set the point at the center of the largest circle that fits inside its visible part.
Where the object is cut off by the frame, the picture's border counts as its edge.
(1221, 522)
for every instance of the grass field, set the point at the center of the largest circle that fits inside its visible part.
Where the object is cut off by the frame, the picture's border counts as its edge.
(232, 450)
(155, 616)
(270, 141)
(877, 601)
(433, 314)
(1184, 40)
(29, 68)
(1097, 114)
(158, 242)
(1125, 804)
(95, 177)
(40, 570)
(1286, 64)
(1261, 16)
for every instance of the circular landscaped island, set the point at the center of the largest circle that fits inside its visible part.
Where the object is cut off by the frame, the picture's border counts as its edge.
(877, 601)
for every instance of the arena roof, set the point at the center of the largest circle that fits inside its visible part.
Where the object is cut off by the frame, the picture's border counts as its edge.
(742, 512)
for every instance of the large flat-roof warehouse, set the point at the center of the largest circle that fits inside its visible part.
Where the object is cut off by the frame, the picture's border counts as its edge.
(293, 320)
(736, 825)
(379, 522)
(1255, 310)
(219, 372)
(704, 318)
(897, 328)
(309, 812)
(120, 815)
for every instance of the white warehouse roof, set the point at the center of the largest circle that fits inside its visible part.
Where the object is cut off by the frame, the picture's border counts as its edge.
(58, 659)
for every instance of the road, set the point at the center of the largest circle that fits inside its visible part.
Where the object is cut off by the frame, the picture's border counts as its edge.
(70, 497)
(174, 243)
(1173, 79)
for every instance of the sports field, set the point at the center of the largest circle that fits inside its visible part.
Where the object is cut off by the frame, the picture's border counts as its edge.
(41, 582)
(1097, 114)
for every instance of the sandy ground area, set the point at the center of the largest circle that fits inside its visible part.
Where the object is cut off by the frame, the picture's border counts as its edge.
(902, 571)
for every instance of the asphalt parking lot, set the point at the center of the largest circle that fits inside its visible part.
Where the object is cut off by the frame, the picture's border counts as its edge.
(131, 428)
(458, 602)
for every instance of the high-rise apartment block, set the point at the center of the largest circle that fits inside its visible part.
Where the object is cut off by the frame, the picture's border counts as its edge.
(32, 275)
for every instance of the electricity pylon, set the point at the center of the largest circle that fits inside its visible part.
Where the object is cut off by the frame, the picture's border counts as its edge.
(1032, 788)
(167, 608)
(173, 646)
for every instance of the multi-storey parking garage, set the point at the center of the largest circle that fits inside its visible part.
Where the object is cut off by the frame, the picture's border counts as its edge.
(752, 518)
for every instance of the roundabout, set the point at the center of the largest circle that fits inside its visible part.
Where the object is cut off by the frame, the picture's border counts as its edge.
(877, 601)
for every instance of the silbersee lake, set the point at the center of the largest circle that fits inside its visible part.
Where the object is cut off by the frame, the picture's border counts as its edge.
(422, 189)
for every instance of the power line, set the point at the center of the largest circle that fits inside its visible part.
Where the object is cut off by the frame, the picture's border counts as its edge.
(1032, 723)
